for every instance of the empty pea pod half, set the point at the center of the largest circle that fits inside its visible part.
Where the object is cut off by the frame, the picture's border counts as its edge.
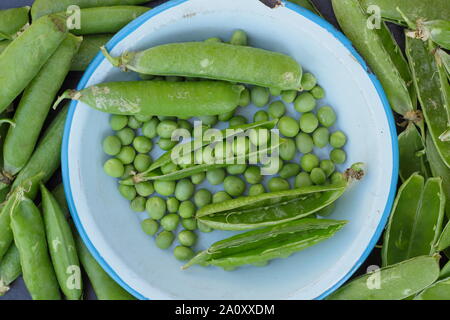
(215, 60)
(258, 247)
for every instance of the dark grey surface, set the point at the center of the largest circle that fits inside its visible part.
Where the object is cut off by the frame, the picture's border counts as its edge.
(18, 290)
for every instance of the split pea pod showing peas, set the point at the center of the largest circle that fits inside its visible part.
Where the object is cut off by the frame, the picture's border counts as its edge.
(30, 239)
(218, 61)
(88, 50)
(160, 98)
(12, 20)
(34, 106)
(396, 282)
(30, 50)
(260, 246)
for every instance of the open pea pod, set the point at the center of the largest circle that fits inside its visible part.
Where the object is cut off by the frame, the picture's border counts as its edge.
(395, 282)
(416, 220)
(412, 155)
(259, 246)
(437, 291)
(268, 209)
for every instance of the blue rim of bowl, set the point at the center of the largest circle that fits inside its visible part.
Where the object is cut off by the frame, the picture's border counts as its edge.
(170, 4)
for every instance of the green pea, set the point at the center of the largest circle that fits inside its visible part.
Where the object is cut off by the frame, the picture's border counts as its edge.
(309, 81)
(184, 189)
(338, 156)
(202, 198)
(143, 118)
(260, 96)
(216, 176)
(259, 136)
(186, 209)
(142, 144)
(138, 204)
(150, 226)
(304, 142)
(327, 116)
(234, 186)
(253, 175)
(128, 192)
(112, 145)
(129, 171)
(321, 137)
(114, 168)
(165, 128)
(309, 161)
(237, 121)
(288, 150)
(170, 221)
(240, 145)
(318, 92)
(278, 184)
(126, 155)
(318, 176)
(260, 116)
(290, 170)
(198, 178)
(305, 102)
(189, 224)
(239, 38)
(277, 109)
(156, 207)
(169, 168)
(226, 116)
(289, 96)
(208, 120)
(328, 167)
(303, 179)
(275, 164)
(288, 126)
(118, 122)
(184, 124)
(187, 238)
(256, 189)
(245, 98)
(149, 128)
(236, 169)
(172, 205)
(164, 188)
(338, 139)
(134, 123)
(221, 196)
(308, 122)
(275, 92)
(164, 240)
(142, 162)
(327, 211)
(183, 253)
(126, 136)
(204, 228)
(337, 177)
(166, 144)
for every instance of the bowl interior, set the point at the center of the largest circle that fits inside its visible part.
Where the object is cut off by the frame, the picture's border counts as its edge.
(112, 231)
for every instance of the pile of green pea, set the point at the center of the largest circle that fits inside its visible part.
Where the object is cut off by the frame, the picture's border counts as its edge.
(170, 204)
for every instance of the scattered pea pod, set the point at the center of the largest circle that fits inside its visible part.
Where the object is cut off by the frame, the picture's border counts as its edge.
(215, 60)
(88, 50)
(395, 282)
(160, 98)
(257, 247)
(10, 269)
(267, 209)
(30, 50)
(437, 291)
(412, 153)
(416, 220)
(11, 21)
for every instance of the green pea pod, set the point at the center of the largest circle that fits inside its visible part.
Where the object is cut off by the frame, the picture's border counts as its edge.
(259, 246)
(104, 287)
(307, 4)
(437, 31)
(3, 45)
(60, 196)
(267, 209)
(43, 7)
(416, 9)
(445, 271)
(30, 50)
(411, 150)
(416, 220)
(368, 42)
(437, 291)
(62, 247)
(89, 48)
(432, 91)
(215, 60)
(11, 21)
(29, 237)
(442, 58)
(160, 98)
(10, 268)
(395, 282)
(34, 106)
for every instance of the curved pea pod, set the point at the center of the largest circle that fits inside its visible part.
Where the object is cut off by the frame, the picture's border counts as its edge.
(62, 247)
(368, 42)
(445, 271)
(29, 237)
(30, 50)
(34, 106)
(268, 209)
(11, 21)
(395, 282)
(258, 247)
(10, 269)
(444, 239)
(3, 45)
(307, 4)
(104, 287)
(412, 153)
(215, 60)
(43, 7)
(88, 50)
(160, 98)
(437, 291)
(416, 220)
